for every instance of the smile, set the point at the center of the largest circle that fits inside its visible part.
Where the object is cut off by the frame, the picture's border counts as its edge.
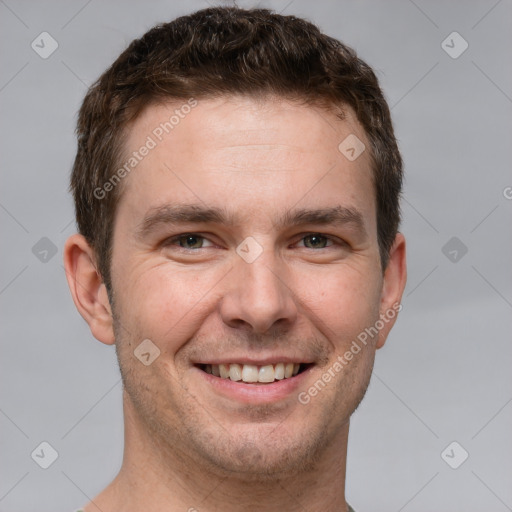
(251, 374)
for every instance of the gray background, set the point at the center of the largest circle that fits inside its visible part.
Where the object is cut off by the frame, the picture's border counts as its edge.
(444, 374)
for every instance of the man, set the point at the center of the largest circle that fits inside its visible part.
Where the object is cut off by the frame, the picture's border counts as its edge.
(237, 189)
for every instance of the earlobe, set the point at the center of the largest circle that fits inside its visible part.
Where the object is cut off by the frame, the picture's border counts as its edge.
(87, 288)
(395, 277)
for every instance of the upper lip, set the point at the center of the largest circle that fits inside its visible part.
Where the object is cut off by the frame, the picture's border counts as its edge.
(257, 361)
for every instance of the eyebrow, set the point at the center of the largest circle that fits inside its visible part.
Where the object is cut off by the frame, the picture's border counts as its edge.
(198, 214)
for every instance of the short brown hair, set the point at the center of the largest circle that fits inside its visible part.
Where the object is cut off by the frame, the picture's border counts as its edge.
(224, 51)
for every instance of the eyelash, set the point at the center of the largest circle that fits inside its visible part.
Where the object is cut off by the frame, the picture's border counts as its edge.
(171, 241)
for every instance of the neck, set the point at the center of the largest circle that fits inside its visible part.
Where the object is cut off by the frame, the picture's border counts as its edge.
(154, 478)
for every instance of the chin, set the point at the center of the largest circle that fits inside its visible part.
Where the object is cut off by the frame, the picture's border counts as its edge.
(262, 453)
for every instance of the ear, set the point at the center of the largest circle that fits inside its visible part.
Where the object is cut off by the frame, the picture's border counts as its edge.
(395, 277)
(87, 288)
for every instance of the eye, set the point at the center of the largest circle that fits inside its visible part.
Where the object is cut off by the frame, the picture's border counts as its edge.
(190, 241)
(194, 241)
(317, 241)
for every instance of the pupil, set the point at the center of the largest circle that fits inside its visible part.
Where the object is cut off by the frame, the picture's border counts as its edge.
(191, 240)
(315, 240)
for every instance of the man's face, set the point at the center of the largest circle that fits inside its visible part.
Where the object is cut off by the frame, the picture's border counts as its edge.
(271, 284)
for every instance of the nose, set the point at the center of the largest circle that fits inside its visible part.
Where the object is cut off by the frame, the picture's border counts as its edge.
(258, 297)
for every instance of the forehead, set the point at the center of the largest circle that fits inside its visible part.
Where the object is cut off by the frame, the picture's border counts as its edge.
(255, 156)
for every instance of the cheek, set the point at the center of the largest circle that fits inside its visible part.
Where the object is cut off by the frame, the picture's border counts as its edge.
(168, 305)
(345, 300)
(161, 303)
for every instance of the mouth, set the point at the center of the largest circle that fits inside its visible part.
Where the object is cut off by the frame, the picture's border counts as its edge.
(255, 382)
(255, 374)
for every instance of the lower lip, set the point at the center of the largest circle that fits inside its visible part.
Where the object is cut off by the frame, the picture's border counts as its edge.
(255, 393)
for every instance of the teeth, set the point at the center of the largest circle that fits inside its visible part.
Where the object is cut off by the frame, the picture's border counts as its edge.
(279, 371)
(266, 373)
(251, 373)
(235, 372)
(224, 370)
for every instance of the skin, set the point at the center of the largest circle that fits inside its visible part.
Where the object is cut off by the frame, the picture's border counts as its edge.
(187, 445)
